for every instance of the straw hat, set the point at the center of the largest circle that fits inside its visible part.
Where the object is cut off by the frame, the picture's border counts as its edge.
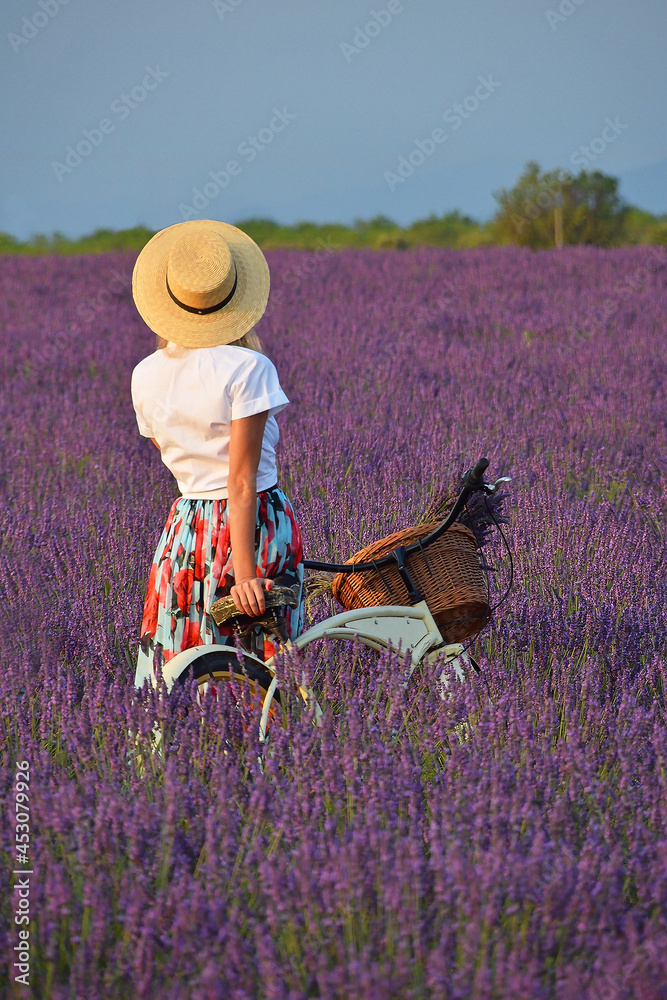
(201, 283)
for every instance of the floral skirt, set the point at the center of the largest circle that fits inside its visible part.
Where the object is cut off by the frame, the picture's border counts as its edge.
(192, 568)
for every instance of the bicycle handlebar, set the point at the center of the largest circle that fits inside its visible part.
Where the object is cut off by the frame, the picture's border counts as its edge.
(473, 481)
(475, 476)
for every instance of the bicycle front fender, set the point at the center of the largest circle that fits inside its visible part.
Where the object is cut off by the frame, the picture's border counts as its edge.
(411, 629)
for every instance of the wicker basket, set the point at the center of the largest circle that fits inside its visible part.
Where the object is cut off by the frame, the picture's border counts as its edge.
(447, 573)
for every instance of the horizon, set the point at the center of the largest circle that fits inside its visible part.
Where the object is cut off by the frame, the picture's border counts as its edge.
(289, 225)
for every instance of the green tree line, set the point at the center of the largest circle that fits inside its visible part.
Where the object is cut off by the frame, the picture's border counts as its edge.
(542, 210)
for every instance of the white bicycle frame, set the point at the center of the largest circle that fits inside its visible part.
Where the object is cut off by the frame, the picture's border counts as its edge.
(408, 629)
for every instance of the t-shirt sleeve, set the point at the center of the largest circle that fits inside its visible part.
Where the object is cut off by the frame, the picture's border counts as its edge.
(256, 389)
(144, 428)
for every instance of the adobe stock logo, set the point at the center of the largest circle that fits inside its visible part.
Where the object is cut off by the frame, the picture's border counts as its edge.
(454, 116)
(116, 287)
(379, 19)
(122, 107)
(300, 272)
(565, 10)
(31, 26)
(584, 155)
(249, 149)
(226, 7)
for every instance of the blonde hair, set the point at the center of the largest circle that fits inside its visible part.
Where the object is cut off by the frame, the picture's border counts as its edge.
(249, 340)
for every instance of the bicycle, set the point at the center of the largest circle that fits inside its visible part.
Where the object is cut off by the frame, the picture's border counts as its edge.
(411, 628)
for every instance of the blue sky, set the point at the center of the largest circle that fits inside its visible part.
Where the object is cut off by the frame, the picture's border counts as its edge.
(116, 112)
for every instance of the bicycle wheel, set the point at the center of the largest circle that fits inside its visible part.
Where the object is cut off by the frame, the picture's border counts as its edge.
(222, 666)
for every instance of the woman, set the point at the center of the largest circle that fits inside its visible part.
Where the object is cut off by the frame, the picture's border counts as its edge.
(207, 398)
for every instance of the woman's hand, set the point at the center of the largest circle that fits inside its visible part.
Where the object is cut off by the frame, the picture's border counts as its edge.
(248, 594)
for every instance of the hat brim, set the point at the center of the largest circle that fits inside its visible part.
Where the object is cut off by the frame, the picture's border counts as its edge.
(166, 318)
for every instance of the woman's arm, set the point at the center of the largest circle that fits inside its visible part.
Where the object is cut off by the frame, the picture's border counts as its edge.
(245, 449)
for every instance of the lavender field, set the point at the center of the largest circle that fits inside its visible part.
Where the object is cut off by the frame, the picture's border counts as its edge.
(378, 856)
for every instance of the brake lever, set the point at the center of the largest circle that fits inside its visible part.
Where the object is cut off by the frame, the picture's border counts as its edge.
(492, 487)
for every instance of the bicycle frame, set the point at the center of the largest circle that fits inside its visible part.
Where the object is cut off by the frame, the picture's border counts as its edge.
(409, 629)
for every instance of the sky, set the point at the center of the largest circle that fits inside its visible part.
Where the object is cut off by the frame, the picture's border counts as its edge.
(125, 112)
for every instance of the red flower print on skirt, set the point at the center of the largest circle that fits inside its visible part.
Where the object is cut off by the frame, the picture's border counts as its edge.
(182, 586)
(192, 567)
(191, 636)
(165, 577)
(200, 549)
(149, 620)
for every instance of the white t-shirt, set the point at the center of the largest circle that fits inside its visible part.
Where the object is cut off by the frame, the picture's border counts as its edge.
(186, 398)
